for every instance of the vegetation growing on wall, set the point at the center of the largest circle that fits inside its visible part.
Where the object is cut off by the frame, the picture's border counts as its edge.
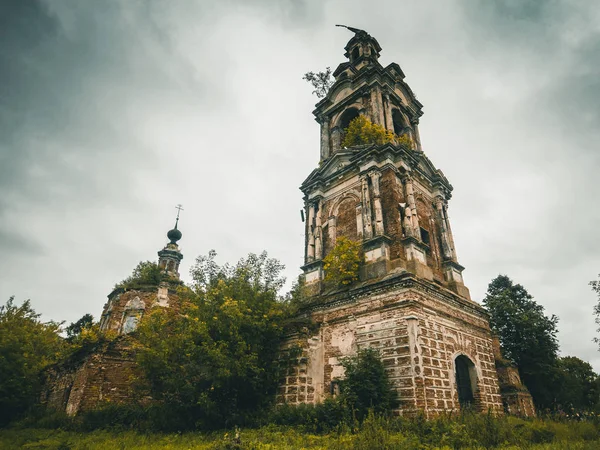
(342, 264)
(321, 81)
(146, 273)
(362, 131)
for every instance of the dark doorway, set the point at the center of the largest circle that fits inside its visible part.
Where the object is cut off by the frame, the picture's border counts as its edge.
(465, 380)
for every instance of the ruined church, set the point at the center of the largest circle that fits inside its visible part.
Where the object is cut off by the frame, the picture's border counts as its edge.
(410, 301)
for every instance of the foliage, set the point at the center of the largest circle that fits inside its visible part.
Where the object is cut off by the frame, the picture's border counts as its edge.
(404, 141)
(472, 431)
(27, 345)
(322, 417)
(76, 328)
(321, 81)
(215, 361)
(146, 273)
(362, 131)
(596, 288)
(578, 386)
(527, 336)
(365, 386)
(342, 264)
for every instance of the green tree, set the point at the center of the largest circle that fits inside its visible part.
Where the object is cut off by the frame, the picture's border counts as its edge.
(27, 346)
(577, 385)
(75, 328)
(527, 336)
(216, 360)
(365, 384)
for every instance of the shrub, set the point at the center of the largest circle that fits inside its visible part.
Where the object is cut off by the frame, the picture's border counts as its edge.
(362, 131)
(342, 263)
(365, 386)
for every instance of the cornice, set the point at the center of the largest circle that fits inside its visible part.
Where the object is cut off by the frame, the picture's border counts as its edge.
(402, 281)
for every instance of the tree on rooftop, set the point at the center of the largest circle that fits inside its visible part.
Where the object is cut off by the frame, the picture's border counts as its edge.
(321, 81)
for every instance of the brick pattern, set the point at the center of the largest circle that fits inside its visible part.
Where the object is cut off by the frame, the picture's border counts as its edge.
(105, 376)
(418, 335)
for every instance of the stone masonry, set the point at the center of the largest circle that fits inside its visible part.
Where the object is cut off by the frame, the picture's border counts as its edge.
(410, 302)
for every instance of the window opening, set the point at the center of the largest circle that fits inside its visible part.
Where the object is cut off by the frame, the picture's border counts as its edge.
(425, 236)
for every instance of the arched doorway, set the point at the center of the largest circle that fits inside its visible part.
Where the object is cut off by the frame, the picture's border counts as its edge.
(466, 381)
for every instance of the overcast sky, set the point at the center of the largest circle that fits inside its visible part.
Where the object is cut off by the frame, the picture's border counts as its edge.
(113, 112)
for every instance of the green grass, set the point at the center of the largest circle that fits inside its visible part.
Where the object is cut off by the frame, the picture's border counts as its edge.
(470, 432)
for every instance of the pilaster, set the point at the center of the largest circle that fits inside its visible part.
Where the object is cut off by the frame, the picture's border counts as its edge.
(366, 201)
(375, 176)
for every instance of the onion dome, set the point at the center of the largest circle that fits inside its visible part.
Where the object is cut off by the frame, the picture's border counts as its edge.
(174, 235)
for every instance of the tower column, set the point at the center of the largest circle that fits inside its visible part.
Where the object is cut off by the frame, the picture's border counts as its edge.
(417, 136)
(318, 234)
(360, 229)
(310, 246)
(332, 230)
(324, 121)
(446, 247)
(377, 106)
(375, 176)
(449, 231)
(366, 210)
(336, 139)
(410, 198)
(387, 108)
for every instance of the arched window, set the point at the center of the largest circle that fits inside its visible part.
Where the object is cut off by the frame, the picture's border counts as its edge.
(348, 116)
(131, 316)
(398, 121)
(346, 219)
(355, 54)
(466, 380)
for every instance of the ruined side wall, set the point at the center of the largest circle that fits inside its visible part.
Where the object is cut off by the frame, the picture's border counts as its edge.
(105, 376)
(418, 335)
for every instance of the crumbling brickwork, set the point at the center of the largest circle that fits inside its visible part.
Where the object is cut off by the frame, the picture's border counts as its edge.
(84, 383)
(515, 397)
(107, 373)
(418, 329)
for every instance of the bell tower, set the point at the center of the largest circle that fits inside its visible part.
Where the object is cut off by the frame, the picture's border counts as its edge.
(389, 197)
(410, 301)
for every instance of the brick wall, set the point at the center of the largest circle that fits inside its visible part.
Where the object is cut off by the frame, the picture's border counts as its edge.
(419, 331)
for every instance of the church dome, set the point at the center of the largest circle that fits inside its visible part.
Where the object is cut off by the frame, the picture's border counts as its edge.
(174, 235)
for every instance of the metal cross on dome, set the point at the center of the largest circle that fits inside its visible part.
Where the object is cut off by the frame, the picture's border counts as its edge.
(179, 208)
